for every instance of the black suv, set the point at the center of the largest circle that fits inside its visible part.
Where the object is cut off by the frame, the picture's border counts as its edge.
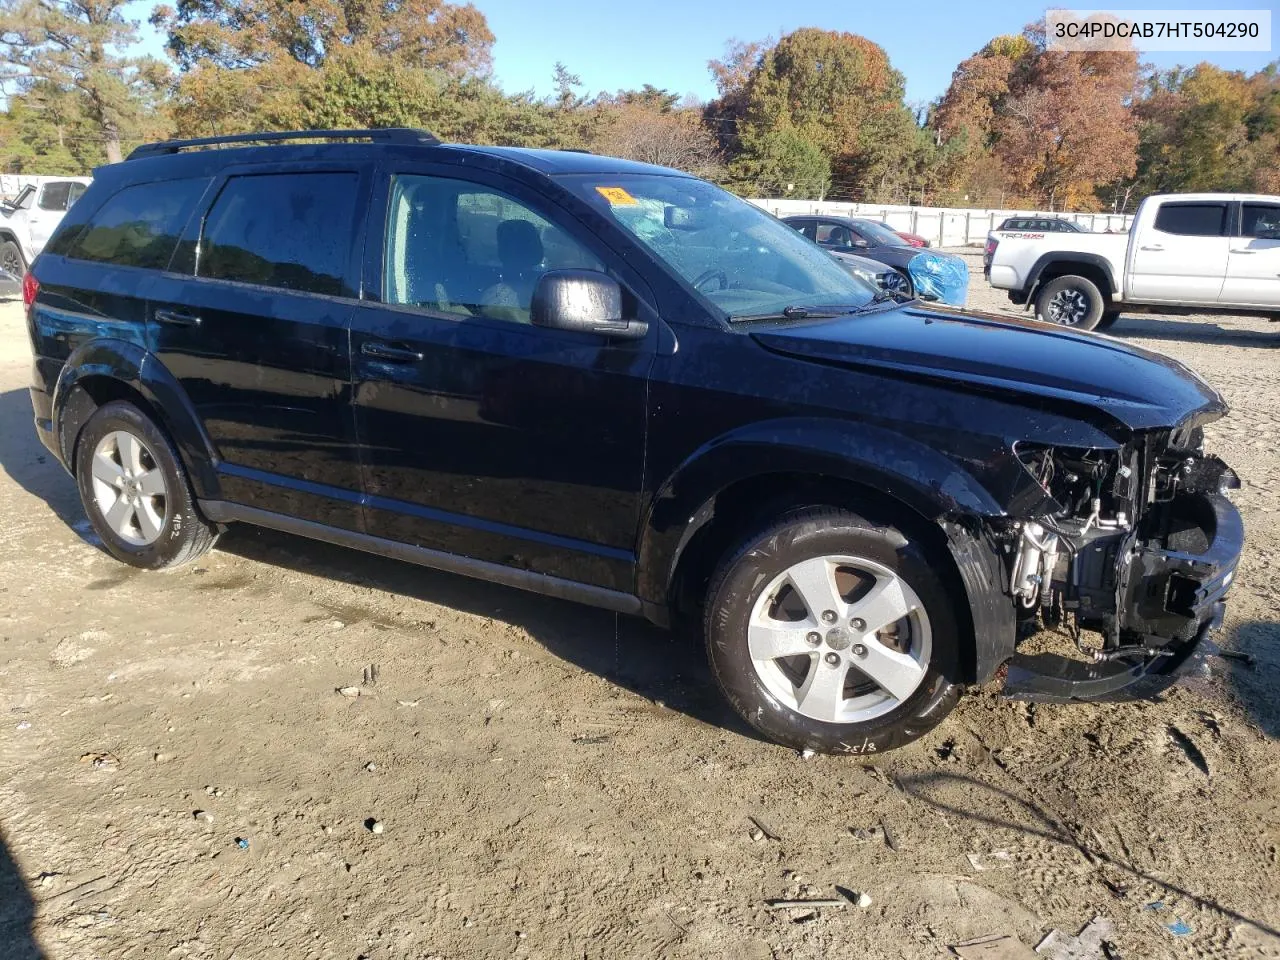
(620, 384)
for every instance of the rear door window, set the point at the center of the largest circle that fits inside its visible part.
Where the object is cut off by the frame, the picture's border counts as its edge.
(292, 231)
(1260, 220)
(1193, 219)
(56, 196)
(138, 227)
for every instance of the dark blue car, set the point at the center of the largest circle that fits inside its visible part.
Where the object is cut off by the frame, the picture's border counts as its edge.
(619, 384)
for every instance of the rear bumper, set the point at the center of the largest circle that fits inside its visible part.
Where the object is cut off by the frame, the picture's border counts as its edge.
(42, 408)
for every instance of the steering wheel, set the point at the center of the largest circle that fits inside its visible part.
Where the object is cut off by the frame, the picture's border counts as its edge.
(712, 274)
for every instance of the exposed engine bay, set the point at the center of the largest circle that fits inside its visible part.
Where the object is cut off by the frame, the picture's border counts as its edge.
(1136, 545)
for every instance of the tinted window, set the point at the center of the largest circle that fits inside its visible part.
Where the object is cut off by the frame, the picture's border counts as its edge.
(56, 196)
(1193, 219)
(460, 248)
(77, 190)
(878, 233)
(289, 230)
(835, 235)
(1260, 220)
(139, 226)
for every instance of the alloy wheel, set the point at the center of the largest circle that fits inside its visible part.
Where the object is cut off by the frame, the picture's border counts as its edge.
(839, 639)
(1069, 307)
(129, 488)
(11, 262)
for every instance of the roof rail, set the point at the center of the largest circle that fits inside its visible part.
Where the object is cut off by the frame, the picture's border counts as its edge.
(385, 135)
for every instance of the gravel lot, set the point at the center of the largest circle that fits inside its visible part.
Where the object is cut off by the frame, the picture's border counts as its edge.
(555, 781)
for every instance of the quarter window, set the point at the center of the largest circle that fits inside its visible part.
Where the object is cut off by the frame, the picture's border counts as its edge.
(138, 227)
(291, 231)
(1260, 220)
(1193, 219)
(460, 248)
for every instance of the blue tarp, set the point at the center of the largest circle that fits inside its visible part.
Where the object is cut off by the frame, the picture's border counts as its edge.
(941, 276)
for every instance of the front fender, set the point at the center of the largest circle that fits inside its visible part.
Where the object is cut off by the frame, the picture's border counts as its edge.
(130, 364)
(893, 465)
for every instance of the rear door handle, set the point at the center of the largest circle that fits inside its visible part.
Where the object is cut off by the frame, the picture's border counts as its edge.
(177, 318)
(387, 351)
(1154, 246)
(1244, 251)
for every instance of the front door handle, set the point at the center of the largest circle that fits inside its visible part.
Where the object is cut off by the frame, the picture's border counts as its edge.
(1154, 246)
(1244, 251)
(177, 318)
(387, 351)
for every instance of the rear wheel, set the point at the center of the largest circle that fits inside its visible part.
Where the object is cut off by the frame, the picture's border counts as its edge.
(1070, 301)
(829, 633)
(135, 490)
(11, 259)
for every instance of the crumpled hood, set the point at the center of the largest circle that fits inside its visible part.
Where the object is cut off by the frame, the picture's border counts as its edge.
(1022, 359)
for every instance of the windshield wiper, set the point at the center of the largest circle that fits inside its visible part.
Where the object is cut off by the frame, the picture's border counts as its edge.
(796, 312)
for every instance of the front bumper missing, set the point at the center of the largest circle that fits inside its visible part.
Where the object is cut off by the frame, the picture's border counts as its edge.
(1176, 599)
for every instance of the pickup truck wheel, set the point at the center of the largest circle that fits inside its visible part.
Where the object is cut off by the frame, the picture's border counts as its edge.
(135, 490)
(1070, 301)
(11, 259)
(829, 633)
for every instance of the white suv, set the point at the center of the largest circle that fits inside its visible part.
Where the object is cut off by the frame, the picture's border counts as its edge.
(29, 219)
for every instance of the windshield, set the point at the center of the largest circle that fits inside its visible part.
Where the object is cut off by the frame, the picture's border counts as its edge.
(879, 233)
(741, 259)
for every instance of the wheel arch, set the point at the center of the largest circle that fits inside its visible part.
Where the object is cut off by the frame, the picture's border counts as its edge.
(104, 370)
(707, 506)
(1091, 266)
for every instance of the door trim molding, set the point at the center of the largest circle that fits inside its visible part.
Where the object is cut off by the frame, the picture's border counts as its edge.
(222, 511)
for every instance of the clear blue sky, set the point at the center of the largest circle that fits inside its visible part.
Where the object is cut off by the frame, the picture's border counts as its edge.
(668, 42)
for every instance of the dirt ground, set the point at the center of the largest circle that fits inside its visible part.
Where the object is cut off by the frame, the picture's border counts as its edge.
(555, 781)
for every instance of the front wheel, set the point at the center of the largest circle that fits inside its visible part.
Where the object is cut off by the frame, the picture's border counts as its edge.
(1070, 301)
(829, 633)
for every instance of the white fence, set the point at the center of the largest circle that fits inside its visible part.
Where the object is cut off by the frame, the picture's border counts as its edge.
(941, 226)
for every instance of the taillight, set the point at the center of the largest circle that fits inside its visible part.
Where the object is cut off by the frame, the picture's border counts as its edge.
(30, 287)
(991, 245)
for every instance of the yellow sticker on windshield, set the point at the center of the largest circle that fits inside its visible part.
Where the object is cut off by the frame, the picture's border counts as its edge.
(616, 196)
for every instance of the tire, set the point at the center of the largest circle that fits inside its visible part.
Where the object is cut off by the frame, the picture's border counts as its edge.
(1070, 301)
(135, 490)
(11, 259)
(841, 711)
(1108, 320)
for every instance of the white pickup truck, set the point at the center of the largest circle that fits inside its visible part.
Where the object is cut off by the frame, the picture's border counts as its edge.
(29, 219)
(1185, 253)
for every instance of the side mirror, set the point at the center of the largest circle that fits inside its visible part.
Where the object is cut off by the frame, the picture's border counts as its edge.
(584, 300)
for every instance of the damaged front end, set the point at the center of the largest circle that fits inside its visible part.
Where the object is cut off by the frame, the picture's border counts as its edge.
(1130, 550)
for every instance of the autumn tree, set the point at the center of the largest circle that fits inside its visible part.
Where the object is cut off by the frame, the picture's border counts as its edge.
(643, 129)
(836, 91)
(781, 163)
(1059, 122)
(250, 62)
(1208, 129)
(78, 48)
